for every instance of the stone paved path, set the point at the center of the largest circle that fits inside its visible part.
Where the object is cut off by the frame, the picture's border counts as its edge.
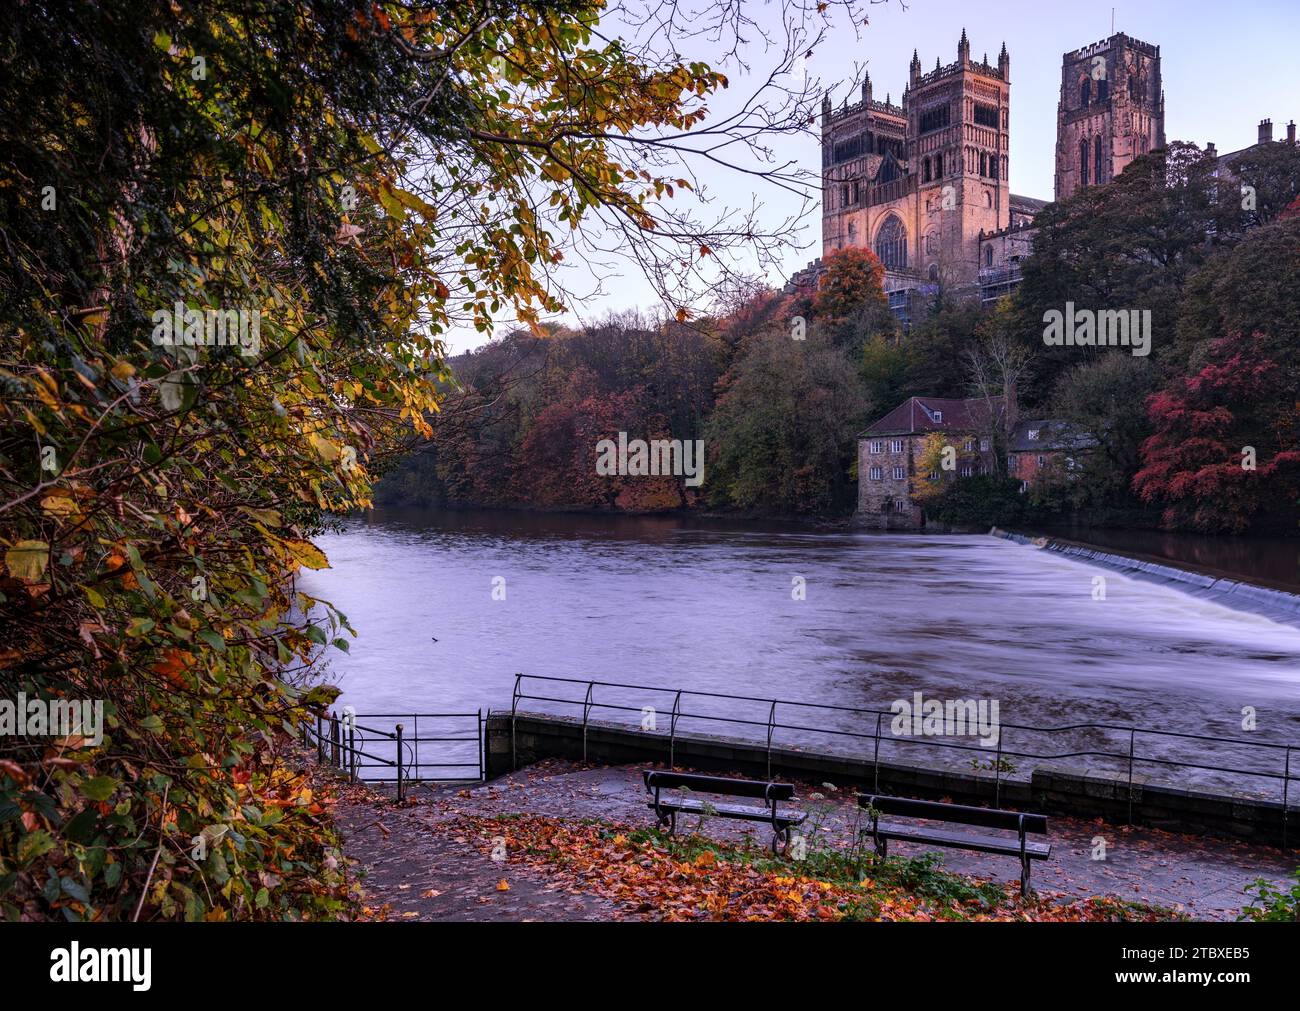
(426, 867)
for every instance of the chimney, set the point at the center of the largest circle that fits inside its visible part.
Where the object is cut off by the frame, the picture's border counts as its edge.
(1210, 150)
(1265, 131)
(1290, 133)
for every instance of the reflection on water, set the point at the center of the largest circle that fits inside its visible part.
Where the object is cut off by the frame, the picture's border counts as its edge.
(702, 605)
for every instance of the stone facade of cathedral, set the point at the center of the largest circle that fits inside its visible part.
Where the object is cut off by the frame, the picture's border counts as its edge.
(919, 182)
(925, 183)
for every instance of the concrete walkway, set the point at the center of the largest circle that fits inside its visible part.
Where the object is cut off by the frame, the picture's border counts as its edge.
(426, 868)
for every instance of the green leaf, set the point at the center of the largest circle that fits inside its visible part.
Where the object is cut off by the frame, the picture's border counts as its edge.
(213, 639)
(99, 787)
(33, 845)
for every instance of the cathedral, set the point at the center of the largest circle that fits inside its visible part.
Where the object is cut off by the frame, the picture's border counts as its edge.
(925, 184)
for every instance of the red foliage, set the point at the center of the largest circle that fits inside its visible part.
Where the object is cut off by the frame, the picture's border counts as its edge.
(557, 464)
(853, 277)
(1292, 210)
(1203, 427)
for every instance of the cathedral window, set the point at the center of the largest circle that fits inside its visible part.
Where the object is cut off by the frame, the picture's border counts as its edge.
(1083, 162)
(1085, 93)
(984, 164)
(934, 119)
(1097, 173)
(988, 256)
(1103, 88)
(925, 170)
(891, 244)
(986, 115)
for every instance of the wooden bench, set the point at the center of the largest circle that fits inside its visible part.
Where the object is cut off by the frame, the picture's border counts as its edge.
(984, 817)
(666, 809)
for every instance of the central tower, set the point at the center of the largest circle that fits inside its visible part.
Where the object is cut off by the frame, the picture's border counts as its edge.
(1111, 110)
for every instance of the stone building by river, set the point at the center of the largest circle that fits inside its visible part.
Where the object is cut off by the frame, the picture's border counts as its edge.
(892, 453)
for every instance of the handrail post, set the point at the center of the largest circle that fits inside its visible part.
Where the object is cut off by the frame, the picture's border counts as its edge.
(586, 709)
(400, 784)
(997, 773)
(320, 738)
(1131, 734)
(672, 731)
(1286, 788)
(482, 763)
(771, 727)
(875, 760)
(334, 740)
(352, 750)
(514, 703)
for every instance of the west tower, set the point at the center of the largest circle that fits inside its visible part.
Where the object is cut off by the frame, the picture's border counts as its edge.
(919, 182)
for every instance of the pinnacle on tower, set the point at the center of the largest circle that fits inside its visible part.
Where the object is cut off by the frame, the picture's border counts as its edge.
(963, 49)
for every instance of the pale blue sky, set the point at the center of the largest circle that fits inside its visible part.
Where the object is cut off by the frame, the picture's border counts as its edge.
(1225, 67)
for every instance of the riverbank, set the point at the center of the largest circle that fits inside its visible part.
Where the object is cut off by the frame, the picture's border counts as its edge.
(555, 829)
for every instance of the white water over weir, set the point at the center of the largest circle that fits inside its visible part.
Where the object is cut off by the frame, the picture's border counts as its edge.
(1276, 604)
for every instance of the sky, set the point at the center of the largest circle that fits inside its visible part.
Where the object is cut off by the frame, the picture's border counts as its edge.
(1225, 66)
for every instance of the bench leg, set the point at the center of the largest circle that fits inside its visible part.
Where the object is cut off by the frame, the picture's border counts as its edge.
(882, 847)
(1024, 876)
(780, 840)
(672, 823)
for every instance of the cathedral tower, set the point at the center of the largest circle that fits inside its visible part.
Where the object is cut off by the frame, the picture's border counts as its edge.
(1111, 110)
(919, 182)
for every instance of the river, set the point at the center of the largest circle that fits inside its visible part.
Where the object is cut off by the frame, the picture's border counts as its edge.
(713, 607)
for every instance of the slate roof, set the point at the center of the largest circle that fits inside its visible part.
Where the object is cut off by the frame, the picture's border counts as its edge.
(1053, 436)
(917, 414)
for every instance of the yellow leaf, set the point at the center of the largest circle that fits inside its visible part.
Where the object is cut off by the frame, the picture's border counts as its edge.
(307, 554)
(26, 560)
(59, 505)
(326, 449)
(503, 885)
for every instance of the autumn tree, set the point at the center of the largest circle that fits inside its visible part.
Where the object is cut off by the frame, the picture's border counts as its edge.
(1225, 454)
(356, 180)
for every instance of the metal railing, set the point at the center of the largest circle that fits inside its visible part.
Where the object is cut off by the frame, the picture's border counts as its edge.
(874, 719)
(342, 742)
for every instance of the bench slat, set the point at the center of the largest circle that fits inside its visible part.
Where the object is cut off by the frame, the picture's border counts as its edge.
(956, 840)
(983, 817)
(656, 779)
(691, 806)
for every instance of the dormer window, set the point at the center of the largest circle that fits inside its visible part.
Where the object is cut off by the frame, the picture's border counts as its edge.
(1033, 435)
(938, 417)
